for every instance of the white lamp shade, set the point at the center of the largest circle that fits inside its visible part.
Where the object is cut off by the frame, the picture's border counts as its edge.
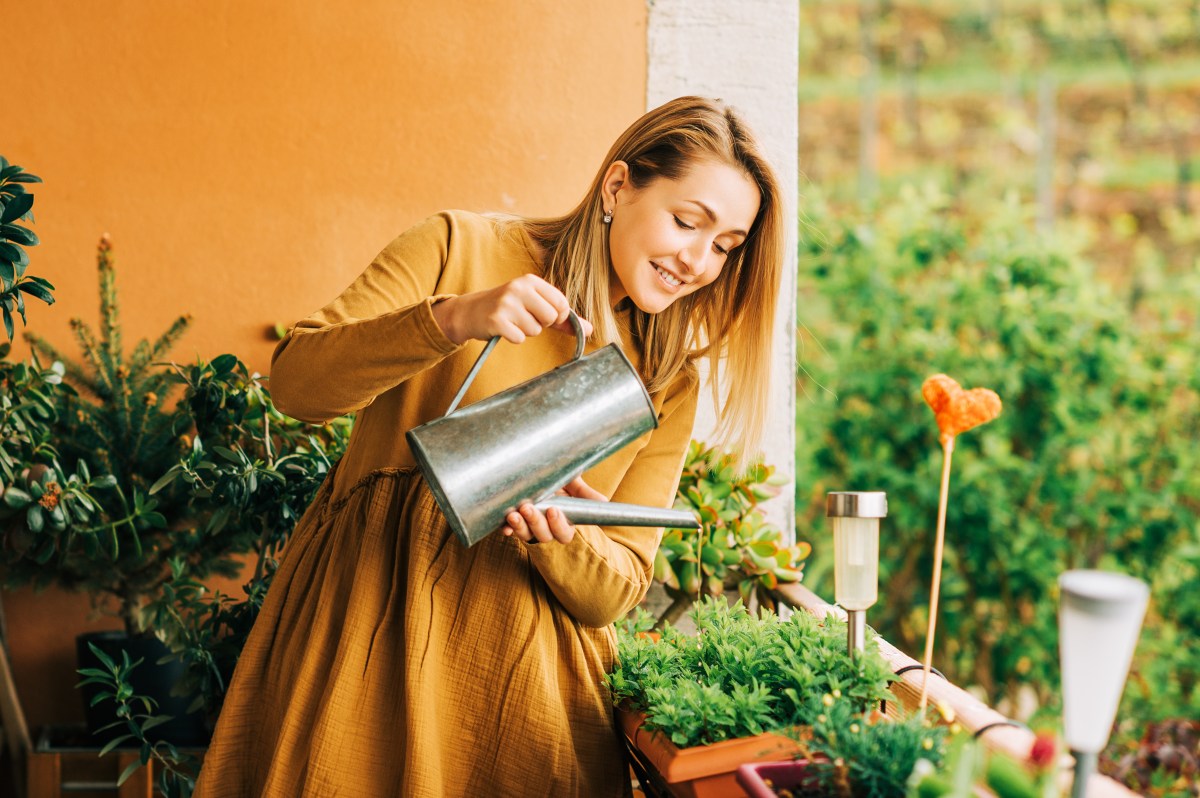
(1099, 619)
(856, 562)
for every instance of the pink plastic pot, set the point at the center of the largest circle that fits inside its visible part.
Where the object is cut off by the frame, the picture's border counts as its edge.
(778, 779)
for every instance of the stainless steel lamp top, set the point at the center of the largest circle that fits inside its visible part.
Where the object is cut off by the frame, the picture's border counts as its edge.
(856, 504)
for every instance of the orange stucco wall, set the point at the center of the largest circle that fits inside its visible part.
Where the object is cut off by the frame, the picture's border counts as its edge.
(249, 158)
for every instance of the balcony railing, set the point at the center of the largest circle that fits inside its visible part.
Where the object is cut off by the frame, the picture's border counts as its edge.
(989, 726)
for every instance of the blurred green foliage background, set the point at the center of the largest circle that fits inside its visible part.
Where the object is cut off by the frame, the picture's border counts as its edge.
(1003, 191)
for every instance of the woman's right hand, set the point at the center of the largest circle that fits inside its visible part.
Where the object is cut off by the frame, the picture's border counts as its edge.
(514, 311)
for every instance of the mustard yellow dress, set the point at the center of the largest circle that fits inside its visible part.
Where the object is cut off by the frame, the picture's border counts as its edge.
(388, 659)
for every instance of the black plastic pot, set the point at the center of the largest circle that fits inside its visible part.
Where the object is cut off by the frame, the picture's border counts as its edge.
(148, 679)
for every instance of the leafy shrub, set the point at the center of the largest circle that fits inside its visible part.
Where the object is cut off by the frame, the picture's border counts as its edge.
(735, 546)
(850, 756)
(181, 489)
(1092, 463)
(741, 674)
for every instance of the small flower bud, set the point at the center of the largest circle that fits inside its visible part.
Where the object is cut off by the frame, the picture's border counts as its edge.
(1041, 754)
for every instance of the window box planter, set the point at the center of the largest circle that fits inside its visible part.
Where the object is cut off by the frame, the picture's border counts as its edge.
(701, 771)
(997, 733)
(692, 708)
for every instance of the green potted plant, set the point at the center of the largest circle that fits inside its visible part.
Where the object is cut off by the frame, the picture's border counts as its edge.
(851, 753)
(693, 708)
(208, 630)
(114, 488)
(735, 547)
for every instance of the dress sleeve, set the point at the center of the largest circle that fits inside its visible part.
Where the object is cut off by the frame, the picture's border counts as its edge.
(376, 335)
(604, 572)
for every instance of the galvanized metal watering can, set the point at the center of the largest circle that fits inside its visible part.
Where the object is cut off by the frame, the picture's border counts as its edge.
(525, 443)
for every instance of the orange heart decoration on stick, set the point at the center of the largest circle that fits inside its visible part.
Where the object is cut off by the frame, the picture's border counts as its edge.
(956, 411)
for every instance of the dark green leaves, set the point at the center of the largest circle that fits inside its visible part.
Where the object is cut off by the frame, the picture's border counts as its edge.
(38, 287)
(22, 235)
(13, 254)
(15, 204)
(15, 174)
(224, 364)
(16, 498)
(16, 207)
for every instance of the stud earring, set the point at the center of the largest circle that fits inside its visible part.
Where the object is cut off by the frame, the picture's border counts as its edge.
(607, 218)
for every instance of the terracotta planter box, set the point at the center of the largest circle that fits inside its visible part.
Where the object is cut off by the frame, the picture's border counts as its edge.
(776, 779)
(702, 771)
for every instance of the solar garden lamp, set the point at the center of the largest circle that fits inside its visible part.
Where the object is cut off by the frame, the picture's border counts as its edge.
(855, 516)
(1099, 619)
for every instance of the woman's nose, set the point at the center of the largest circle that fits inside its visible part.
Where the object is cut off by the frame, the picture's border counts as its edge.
(692, 257)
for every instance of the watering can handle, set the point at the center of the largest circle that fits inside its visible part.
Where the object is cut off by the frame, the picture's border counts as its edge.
(487, 350)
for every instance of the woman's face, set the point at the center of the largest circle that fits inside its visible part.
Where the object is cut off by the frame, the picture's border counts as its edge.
(672, 237)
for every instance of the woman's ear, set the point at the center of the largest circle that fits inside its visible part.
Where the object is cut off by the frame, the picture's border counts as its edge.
(616, 178)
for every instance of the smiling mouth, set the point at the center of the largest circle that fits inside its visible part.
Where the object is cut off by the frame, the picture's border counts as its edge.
(667, 277)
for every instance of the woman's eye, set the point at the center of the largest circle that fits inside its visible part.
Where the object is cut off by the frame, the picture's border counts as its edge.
(720, 249)
(682, 223)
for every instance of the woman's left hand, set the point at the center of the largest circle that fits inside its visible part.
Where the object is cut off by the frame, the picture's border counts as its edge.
(529, 524)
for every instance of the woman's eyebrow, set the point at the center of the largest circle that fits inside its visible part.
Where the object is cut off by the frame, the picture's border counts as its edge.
(712, 217)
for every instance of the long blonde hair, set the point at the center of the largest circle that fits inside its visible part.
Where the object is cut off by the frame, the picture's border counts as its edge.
(731, 319)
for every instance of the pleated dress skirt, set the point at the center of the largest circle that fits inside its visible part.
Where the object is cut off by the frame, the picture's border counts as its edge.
(390, 660)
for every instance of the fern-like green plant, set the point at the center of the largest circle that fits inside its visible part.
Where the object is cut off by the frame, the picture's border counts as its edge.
(118, 422)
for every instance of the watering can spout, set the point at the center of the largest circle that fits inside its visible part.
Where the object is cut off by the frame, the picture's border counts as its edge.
(586, 511)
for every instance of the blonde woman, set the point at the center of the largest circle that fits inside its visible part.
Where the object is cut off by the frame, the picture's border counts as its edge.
(388, 659)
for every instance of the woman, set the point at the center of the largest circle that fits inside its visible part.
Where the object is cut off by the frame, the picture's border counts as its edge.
(388, 659)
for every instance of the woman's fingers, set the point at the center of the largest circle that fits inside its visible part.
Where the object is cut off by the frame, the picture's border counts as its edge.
(547, 304)
(562, 529)
(539, 528)
(581, 490)
(515, 311)
(528, 524)
(532, 304)
(562, 309)
(517, 527)
(511, 331)
(565, 326)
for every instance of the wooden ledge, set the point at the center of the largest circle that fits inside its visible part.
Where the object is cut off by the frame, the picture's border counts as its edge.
(1002, 734)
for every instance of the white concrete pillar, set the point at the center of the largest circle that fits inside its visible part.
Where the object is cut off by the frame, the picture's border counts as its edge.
(747, 53)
